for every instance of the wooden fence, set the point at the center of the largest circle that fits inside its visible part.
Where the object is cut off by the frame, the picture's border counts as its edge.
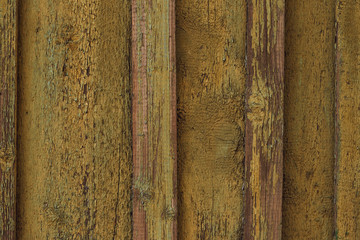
(186, 119)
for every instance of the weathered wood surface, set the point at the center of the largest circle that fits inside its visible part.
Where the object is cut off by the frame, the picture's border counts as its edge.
(74, 138)
(8, 74)
(347, 153)
(264, 119)
(154, 119)
(75, 125)
(211, 46)
(309, 120)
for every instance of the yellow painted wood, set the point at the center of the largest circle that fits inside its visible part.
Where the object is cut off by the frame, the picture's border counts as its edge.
(264, 119)
(154, 119)
(211, 47)
(74, 138)
(8, 76)
(347, 120)
(309, 120)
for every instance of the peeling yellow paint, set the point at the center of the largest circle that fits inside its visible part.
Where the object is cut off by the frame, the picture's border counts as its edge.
(211, 86)
(309, 120)
(74, 120)
(264, 120)
(347, 120)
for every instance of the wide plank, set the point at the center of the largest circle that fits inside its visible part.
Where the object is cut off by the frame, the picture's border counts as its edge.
(211, 73)
(309, 120)
(75, 157)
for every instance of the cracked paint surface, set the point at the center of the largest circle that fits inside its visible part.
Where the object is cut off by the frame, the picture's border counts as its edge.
(264, 119)
(211, 44)
(74, 141)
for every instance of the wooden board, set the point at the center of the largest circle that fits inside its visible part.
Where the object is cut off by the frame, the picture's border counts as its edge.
(264, 119)
(8, 76)
(154, 119)
(74, 172)
(211, 46)
(309, 120)
(347, 152)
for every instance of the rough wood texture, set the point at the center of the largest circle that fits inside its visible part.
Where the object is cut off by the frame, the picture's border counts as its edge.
(211, 46)
(309, 120)
(347, 151)
(264, 119)
(8, 74)
(74, 138)
(154, 119)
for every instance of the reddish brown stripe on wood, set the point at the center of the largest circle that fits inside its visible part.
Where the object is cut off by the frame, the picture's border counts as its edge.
(8, 72)
(264, 119)
(173, 117)
(139, 216)
(154, 120)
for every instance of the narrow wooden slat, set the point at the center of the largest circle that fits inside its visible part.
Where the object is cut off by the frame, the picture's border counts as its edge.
(8, 74)
(74, 117)
(309, 120)
(154, 119)
(264, 119)
(211, 47)
(347, 212)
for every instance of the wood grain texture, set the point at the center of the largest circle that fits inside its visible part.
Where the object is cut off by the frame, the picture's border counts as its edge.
(154, 119)
(211, 47)
(264, 119)
(8, 74)
(347, 153)
(74, 133)
(309, 120)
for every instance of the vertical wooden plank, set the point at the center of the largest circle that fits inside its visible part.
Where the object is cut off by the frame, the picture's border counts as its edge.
(8, 73)
(309, 120)
(154, 119)
(74, 134)
(211, 46)
(347, 151)
(264, 119)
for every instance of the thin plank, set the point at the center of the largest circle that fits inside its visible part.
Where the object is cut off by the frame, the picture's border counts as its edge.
(309, 120)
(264, 119)
(347, 212)
(211, 46)
(8, 73)
(74, 134)
(154, 119)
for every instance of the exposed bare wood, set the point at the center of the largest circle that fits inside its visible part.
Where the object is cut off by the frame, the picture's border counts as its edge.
(264, 119)
(154, 119)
